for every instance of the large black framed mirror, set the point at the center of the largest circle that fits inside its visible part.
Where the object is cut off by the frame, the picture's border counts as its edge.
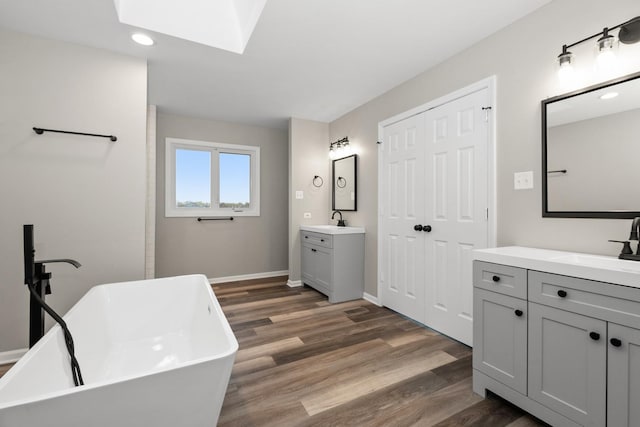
(591, 151)
(344, 188)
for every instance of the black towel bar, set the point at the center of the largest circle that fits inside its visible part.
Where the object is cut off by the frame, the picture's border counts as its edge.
(40, 131)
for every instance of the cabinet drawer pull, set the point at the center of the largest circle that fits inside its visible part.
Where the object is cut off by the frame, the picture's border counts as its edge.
(322, 240)
(314, 250)
(519, 313)
(306, 237)
(615, 342)
(496, 278)
(594, 336)
(562, 293)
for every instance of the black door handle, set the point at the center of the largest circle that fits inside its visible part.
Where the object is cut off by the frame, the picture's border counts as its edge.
(426, 228)
(417, 227)
(562, 293)
(519, 313)
(496, 278)
(615, 342)
(594, 336)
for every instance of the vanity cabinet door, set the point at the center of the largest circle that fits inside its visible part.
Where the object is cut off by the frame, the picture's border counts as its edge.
(324, 268)
(623, 407)
(500, 338)
(568, 364)
(317, 270)
(309, 266)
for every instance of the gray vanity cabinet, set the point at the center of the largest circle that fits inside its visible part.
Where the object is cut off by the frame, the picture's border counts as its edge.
(566, 349)
(623, 406)
(333, 264)
(568, 363)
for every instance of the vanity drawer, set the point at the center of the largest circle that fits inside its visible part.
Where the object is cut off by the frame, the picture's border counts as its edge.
(318, 239)
(500, 278)
(614, 303)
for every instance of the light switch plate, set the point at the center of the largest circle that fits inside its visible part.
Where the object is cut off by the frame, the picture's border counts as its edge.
(307, 215)
(523, 180)
(299, 194)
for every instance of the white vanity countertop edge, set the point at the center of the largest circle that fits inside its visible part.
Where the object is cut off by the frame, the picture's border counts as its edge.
(621, 272)
(332, 229)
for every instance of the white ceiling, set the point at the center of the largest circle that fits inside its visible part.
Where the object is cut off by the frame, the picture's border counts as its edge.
(311, 59)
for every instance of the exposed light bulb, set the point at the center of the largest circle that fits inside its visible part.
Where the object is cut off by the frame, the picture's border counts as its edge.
(565, 71)
(606, 49)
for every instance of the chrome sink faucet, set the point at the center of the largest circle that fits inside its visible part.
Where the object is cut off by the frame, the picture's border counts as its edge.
(340, 221)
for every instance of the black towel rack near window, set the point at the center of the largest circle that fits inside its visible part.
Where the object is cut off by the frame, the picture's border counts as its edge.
(222, 218)
(40, 131)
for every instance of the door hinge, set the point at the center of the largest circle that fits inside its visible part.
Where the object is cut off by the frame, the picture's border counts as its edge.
(487, 213)
(486, 113)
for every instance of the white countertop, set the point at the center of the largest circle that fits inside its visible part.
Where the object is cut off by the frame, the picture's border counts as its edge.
(332, 229)
(594, 267)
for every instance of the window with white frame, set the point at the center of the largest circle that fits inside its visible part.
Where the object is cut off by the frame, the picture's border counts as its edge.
(211, 179)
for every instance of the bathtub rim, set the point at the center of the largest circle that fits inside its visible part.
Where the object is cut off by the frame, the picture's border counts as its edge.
(72, 390)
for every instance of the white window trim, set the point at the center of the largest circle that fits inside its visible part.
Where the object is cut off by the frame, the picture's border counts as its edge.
(171, 144)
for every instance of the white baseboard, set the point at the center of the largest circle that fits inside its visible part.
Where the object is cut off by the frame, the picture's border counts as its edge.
(11, 356)
(248, 276)
(371, 299)
(294, 283)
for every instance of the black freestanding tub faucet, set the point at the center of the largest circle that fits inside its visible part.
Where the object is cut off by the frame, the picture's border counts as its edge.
(37, 280)
(35, 276)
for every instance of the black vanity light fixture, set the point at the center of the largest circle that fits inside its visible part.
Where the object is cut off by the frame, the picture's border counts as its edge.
(340, 148)
(606, 45)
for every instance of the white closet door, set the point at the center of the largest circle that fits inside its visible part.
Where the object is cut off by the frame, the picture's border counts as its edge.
(456, 209)
(402, 208)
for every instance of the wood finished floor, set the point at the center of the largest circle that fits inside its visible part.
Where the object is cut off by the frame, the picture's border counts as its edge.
(305, 362)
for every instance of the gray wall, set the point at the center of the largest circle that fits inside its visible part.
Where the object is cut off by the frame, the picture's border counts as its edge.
(600, 155)
(216, 249)
(308, 157)
(522, 56)
(85, 196)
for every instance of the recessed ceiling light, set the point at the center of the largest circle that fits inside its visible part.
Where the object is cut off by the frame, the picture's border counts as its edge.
(609, 95)
(142, 39)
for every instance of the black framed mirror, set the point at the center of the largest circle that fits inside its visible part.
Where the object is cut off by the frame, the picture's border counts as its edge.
(344, 187)
(591, 151)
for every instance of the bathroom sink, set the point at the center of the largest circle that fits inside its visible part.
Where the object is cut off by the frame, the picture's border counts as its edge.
(597, 261)
(601, 268)
(332, 229)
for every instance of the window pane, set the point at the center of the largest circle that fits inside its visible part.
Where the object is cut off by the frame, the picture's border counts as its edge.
(193, 178)
(235, 180)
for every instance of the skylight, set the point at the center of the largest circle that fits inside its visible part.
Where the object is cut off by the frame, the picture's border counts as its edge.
(224, 24)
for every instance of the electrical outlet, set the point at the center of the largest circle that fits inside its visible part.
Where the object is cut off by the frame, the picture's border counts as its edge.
(523, 180)
(299, 194)
(307, 215)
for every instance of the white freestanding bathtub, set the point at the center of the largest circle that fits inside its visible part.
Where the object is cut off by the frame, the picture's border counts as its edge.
(152, 353)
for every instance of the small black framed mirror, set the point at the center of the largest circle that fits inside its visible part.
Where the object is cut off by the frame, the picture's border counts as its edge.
(591, 150)
(345, 188)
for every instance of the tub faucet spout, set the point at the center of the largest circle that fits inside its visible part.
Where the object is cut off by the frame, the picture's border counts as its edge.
(340, 221)
(73, 262)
